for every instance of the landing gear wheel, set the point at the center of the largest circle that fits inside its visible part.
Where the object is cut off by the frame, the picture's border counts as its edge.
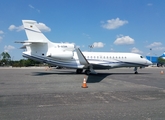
(79, 71)
(136, 72)
(87, 72)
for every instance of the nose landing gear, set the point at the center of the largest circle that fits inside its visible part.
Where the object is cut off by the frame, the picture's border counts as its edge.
(135, 69)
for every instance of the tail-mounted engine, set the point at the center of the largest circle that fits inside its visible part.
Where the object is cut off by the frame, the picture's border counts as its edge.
(61, 51)
(61, 54)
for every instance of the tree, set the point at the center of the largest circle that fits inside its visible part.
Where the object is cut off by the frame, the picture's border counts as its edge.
(25, 63)
(161, 61)
(5, 55)
(5, 58)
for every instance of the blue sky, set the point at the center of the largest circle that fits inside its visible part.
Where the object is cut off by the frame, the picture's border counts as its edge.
(108, 25)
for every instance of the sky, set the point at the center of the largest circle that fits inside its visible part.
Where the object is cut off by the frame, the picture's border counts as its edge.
(107, 25)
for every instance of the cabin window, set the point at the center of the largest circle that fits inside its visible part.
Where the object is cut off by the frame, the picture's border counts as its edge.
(42, 54)
(141, 56)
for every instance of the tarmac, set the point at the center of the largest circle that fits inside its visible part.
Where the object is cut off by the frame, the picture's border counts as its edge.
(115, 94)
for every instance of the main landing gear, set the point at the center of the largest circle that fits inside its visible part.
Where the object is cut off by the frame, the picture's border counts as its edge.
(87, 71)
(79, 71)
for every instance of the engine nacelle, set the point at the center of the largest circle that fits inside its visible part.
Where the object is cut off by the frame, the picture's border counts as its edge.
(61, 54)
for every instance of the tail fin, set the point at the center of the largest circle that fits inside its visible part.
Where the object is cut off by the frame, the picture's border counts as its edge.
(32, 32)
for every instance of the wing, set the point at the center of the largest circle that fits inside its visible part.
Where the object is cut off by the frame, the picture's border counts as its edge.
(84, 61)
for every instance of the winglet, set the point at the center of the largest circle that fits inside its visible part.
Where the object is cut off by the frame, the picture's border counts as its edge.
(82, 59)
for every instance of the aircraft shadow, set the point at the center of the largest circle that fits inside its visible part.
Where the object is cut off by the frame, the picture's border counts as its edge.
(96, 78)
(100, 76)
(90, 79)
(121, 73)
(51, 73)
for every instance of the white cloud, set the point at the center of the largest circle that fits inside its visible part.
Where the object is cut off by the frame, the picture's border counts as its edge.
(111, 48)
(43, 27)
(31, 6)
(98, 45)
(38, 10)
(1, 38)
(122, 40)
(114, 23)
(77, 46)
(1, 32)
(13, 27)
(149, 4)
(34, 8)
(8, 48)
(159, 48)
(154, 44)
(135, 50)
(86, 35)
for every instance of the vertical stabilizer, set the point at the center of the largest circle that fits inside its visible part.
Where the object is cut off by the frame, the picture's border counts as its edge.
(32, 32)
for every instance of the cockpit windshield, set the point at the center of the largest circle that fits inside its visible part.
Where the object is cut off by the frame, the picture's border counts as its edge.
(141, 56)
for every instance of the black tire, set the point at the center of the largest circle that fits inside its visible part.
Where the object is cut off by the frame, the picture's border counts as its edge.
(87, 72)
(79, 71)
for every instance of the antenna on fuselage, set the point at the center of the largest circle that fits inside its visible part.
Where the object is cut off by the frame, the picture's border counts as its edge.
(90, 47)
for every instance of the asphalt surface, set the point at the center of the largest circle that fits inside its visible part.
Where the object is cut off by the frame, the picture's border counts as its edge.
(118, 94)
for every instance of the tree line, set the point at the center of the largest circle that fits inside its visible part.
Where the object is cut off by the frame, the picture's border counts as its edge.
(5, 60)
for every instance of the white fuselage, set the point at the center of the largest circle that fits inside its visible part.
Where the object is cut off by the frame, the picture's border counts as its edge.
(99, 60)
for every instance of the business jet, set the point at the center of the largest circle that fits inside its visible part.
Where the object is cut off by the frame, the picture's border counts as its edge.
(39, 48)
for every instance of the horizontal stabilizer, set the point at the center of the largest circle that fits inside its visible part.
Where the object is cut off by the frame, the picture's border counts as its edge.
(31, 41)
(23, 47)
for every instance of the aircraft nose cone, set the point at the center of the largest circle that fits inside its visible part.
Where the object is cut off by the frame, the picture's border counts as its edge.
(149, 62)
